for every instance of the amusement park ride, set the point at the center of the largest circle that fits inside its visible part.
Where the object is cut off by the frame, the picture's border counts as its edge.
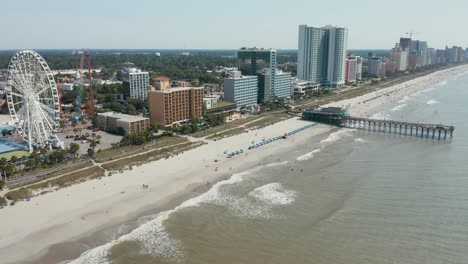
(34, 99)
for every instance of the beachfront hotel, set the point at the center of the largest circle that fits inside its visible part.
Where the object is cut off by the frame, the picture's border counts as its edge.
(322, 55)
(241, 89)
(170, 107)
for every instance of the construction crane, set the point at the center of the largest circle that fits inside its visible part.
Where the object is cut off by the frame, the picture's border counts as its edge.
(85, 58)
(411, 33)
(60, 95)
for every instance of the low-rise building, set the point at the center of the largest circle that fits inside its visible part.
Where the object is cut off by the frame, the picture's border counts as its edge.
(129, 123)
(221, 107)
(305, 87)
(66, 86)
(171, 107)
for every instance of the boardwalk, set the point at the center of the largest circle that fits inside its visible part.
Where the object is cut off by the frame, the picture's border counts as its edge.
(434, 131)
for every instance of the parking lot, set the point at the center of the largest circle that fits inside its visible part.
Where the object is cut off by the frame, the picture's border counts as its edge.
(105, 142)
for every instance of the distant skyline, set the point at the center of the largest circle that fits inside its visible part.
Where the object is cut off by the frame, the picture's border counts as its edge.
(214, 24)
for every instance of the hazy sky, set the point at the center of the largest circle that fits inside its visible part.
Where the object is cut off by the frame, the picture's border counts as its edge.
(220, 24)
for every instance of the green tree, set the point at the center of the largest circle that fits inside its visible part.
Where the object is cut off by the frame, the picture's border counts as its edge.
(3, 163)
(74, 148)
(31, 164)
(90, 152)
(10, 168)
(4, 132)
(93, 144)
(14, 158)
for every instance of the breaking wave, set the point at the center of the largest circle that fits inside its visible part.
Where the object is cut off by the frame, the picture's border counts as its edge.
(308, 156)
(431, 102)
(360, 140)
(381, 116)
(336, 136)
(398, 107)
(273, 194)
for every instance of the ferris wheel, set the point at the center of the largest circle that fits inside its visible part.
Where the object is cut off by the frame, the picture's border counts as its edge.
(33, 100)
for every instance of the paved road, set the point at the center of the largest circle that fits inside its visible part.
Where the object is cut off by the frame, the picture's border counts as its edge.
(18, 180)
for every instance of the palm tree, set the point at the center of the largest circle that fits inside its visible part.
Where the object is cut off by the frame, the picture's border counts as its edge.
(14, 158)
(84, 123)
(93, 144)
(62, 125)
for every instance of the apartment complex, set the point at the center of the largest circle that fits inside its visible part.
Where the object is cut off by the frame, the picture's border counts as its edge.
(322, 55)
(262, 63)
(351, 69)
(129, 123)
(241, 89)
(173, 106)
(139, 83)
(400, 58)
(375, 67)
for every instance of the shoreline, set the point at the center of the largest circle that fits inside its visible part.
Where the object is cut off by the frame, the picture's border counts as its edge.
(78, 211)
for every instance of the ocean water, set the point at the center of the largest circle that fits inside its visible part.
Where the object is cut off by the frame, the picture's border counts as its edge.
(350, 197)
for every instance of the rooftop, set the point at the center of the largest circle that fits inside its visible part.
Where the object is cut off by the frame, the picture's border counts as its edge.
(175, 89)
(256, 49)
(222, 104)
(125, 117)
(161, 78)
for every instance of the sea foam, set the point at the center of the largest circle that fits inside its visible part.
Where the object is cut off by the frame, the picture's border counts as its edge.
(398, 107)
(431, 102)
(274, 194)
(308, 156)
(336, 136)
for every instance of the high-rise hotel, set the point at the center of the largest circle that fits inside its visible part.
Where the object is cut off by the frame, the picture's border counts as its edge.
(322, 55)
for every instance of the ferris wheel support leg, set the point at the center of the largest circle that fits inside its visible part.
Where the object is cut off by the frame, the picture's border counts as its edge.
(29, 128)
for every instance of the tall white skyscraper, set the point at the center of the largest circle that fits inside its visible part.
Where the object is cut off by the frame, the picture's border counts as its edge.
(322, 55)
(139, 83)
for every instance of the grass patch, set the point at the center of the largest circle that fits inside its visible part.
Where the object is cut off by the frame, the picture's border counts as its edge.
(19, 194)
(3, 201)
(218, 129)
(128, 150)
(112, 151)
(17, 153)
(149, 156)
(269, 120)
(71, 178)
(228, 133)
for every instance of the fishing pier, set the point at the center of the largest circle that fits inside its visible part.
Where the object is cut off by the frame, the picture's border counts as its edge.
(338, 117)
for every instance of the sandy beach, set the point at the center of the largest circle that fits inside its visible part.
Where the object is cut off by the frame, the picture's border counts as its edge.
(30, 228)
